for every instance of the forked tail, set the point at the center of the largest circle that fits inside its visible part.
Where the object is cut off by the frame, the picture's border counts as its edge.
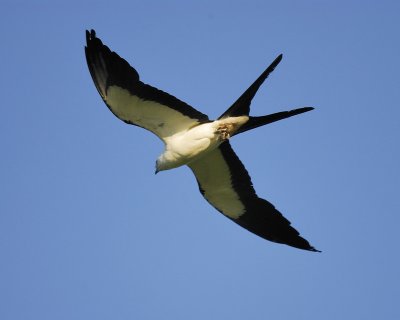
(255, 122)
(241, 106)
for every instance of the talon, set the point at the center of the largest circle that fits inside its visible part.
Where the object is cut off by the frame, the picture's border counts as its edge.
(224, 132)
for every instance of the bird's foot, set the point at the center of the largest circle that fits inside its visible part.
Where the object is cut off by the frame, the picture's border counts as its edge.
(224, 131)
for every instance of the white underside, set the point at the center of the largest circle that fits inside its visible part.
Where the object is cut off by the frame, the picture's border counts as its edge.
(185, 147)
(215, 179)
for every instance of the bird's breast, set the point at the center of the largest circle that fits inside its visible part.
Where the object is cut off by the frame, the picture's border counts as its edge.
(194, 142)
(185, 147)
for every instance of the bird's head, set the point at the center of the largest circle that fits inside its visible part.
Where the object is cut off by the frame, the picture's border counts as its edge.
(167, 161)
(157, 167)
(161, 164)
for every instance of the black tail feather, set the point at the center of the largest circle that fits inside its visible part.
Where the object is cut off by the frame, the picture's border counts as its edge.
(255, 122)
(242, 105)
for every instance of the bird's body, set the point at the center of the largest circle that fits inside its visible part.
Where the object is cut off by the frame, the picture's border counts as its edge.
(189, 145)
(192, 139)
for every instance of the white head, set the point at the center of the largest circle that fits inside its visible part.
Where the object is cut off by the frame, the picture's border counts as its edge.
(159, 165)
(168, 161)
(162, 163)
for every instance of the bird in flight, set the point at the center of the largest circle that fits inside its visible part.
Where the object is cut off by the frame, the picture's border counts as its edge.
(192, 139)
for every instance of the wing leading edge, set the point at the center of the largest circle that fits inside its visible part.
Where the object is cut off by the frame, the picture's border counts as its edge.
(133, 101)
(225, 183)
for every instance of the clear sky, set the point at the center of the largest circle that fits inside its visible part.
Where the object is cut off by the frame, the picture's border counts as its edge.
(87, 231)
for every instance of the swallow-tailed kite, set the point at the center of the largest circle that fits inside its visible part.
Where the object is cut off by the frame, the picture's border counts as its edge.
(192, 139)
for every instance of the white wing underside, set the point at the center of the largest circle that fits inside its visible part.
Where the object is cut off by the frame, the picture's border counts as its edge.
(215, 182)
(155, 117)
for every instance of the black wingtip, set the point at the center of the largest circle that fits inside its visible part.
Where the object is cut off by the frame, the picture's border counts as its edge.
(312, 249)
(300, 243)
(90, 35)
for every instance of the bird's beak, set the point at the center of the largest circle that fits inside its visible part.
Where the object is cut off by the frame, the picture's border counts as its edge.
(156, 171)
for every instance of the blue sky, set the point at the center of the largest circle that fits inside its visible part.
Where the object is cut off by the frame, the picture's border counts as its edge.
(87, 231)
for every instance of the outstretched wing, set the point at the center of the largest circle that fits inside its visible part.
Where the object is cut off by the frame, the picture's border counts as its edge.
(133, 101)
(225, 183)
